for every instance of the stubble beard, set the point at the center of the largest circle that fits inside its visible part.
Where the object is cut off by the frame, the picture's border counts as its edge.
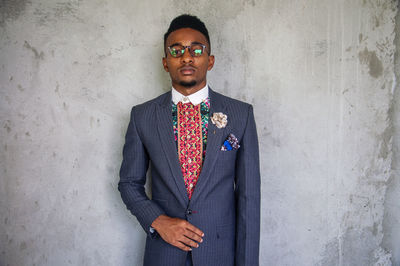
(188, 84)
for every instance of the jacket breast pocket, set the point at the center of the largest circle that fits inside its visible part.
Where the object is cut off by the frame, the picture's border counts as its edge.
(227, 158)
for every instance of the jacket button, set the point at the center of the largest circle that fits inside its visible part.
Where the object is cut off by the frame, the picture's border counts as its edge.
(188, 211)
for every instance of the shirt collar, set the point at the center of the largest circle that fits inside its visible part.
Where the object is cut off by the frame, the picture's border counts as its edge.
(195, 98)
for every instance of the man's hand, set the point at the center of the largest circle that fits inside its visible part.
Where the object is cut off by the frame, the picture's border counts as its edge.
(178, 232)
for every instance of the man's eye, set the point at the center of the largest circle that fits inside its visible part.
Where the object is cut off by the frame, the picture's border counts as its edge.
(197, 52)
(174, 52)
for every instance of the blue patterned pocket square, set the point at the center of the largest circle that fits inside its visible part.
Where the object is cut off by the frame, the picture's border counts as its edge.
(231, 143)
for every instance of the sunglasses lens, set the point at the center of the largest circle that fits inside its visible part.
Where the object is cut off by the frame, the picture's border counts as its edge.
(176, 50)
(196, 50)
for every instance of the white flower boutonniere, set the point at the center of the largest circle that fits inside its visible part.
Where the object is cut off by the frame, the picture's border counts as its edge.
(219, 119)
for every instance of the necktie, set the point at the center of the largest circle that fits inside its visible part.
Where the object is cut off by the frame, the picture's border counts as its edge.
(190, 144)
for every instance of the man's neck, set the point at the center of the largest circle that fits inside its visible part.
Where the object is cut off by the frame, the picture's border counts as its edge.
(186, 91)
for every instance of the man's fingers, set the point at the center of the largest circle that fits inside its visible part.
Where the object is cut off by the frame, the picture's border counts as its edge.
(187, 241)
(180, 245)
(178, 232)
(194, 229)
(193, 236)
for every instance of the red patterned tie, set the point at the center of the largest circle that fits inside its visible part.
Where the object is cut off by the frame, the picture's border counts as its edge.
(190, 143)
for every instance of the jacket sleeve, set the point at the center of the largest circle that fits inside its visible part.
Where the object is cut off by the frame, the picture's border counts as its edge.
(247, 192)
(133, 178)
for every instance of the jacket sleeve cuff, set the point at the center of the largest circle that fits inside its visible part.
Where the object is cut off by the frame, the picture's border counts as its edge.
(153, 233)
(147, 215)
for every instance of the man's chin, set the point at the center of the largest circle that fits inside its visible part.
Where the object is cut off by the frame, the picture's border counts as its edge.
(188, 84)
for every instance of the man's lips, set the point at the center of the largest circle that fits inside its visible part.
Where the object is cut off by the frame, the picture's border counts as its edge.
(187, 70)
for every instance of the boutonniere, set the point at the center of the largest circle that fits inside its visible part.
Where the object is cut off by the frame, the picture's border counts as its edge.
(219, 119)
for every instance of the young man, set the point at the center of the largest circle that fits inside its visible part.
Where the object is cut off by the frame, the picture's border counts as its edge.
(203, 149)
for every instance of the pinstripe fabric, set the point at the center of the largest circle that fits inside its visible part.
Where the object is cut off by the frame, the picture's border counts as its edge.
(226, 202)
(189, 260)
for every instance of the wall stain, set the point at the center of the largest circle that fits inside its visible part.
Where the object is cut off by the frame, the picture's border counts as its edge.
(20, 88)
(383, 257)
(65, 9)
(385, 143)
(370, 59)
(38, 56)
(330, 255)
(358, 247)
(212, 9)
(21, 116)
(391, 214)
(375, 229)
(380, 9)
(385, 46)
(92, 121)
(22, 246)
(320, 48)
(88, 94)
(48, 15)
(252, 2)
(7, 126)
(376, 21)
(11, 10)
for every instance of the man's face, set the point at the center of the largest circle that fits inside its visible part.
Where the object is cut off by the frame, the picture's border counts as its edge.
(188, 73)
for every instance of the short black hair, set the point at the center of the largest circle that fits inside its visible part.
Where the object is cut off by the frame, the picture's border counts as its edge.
(187, 21)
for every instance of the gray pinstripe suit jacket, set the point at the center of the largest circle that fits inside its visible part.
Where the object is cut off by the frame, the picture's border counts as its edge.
(226, 201)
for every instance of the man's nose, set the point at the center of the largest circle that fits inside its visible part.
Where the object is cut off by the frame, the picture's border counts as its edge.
(187, 57)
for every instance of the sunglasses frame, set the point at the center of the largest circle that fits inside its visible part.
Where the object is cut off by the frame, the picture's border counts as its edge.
(190, 50)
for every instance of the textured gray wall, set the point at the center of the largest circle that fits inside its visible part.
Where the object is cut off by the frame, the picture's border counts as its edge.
(391, 222)
(321, 76)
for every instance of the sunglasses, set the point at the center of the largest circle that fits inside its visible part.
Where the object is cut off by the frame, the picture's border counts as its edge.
(195, 50)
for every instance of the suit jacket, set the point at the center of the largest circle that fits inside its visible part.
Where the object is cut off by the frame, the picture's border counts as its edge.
(225, 203)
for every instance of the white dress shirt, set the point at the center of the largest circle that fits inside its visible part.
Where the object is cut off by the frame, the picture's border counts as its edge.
(195, 98)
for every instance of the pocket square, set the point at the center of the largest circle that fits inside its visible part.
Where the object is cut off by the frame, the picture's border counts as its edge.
(231, 143)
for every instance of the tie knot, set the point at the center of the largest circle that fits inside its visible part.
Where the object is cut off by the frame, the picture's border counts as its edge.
(188, 105)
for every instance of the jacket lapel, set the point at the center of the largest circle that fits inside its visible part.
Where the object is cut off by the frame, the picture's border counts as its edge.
(167, 139)
(214, 142)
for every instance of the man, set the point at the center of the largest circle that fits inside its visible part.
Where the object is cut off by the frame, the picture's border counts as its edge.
(203, 149)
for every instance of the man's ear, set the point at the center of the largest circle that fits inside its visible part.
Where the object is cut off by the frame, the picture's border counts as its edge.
(211, 61)
(165, 65)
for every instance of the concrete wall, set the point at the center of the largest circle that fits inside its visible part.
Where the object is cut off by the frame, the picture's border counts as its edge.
(391, 222)
(321, 76)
